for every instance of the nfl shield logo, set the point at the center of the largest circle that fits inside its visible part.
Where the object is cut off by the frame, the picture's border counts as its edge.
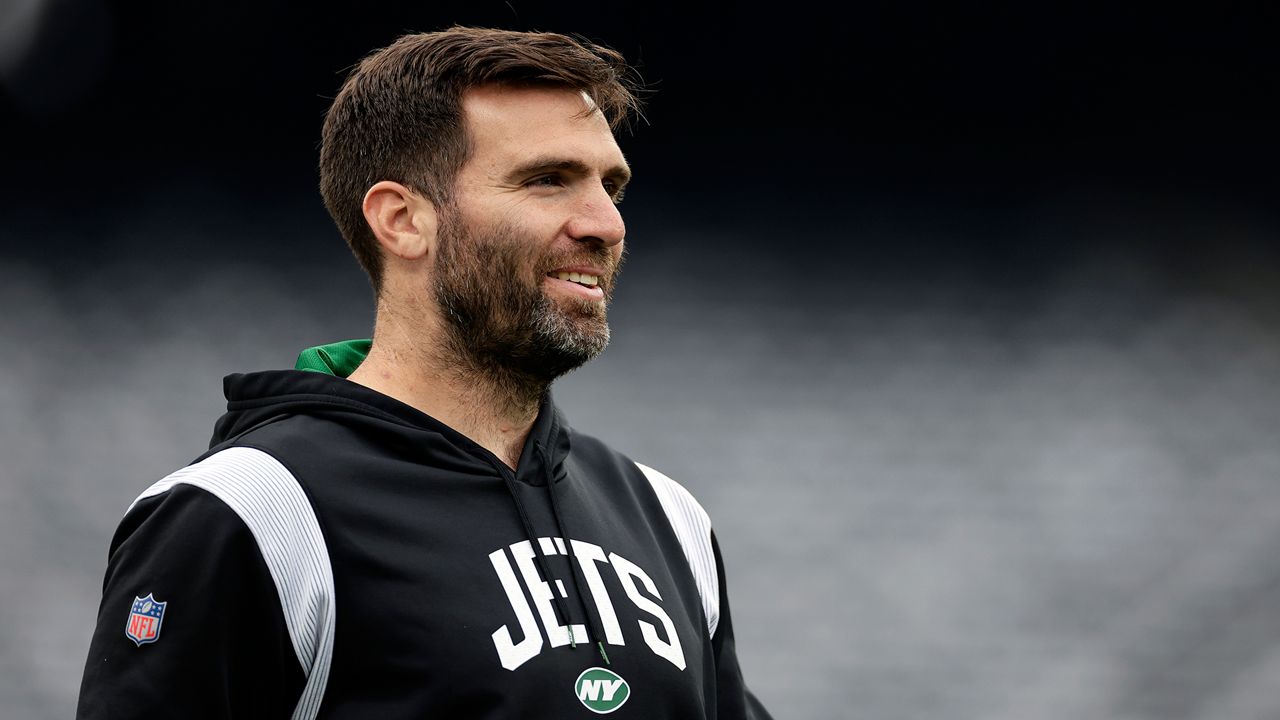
(144, 620)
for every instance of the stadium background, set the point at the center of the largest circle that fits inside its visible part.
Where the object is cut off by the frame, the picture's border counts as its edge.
(961, 322)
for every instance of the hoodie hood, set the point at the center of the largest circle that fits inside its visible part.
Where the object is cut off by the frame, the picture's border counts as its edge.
(318, 387)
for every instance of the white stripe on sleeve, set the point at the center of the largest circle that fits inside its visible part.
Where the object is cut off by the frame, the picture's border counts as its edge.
(693, 530)
(269, 500)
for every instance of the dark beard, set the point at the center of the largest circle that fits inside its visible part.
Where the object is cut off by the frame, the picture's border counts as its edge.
(505, 329)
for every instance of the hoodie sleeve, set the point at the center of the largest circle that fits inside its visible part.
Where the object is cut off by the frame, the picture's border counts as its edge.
(734, 700)
(190, 623)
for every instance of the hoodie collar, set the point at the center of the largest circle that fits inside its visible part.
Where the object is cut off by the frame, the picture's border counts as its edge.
(549, 431)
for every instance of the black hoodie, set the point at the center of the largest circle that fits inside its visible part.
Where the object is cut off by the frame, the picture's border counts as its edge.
(339, 554)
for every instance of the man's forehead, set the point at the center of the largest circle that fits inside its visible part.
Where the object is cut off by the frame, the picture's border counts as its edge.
(518, 121)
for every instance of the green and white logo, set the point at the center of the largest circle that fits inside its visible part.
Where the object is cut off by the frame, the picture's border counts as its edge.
(601, 691)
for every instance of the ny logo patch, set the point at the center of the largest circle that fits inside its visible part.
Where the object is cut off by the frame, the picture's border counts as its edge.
(144, 620)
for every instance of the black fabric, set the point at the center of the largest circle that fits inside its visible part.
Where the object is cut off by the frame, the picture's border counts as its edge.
(222, 625)
(418, 519)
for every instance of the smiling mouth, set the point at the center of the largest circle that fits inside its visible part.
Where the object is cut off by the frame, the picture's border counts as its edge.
(580, 278)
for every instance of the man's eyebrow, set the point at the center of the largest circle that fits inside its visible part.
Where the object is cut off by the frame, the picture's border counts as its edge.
(620, 173)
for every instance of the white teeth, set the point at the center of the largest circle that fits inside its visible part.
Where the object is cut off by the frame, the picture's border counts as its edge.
(580, 278)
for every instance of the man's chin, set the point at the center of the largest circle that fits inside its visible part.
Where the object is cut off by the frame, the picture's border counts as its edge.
(584, 339)
(573, 338)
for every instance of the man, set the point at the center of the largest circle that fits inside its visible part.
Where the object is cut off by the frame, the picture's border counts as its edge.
(412, 529)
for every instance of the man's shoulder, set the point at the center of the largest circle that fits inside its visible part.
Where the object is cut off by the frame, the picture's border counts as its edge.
(256, 487)
(223, 505)
(224, 470)
(674, 496)
(597, 454)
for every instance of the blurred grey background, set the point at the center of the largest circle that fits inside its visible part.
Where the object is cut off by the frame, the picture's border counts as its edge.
(962, 324)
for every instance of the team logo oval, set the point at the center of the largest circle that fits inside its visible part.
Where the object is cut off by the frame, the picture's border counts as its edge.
(601, 691)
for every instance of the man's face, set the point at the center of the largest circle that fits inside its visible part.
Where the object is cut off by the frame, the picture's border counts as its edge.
(530, 248)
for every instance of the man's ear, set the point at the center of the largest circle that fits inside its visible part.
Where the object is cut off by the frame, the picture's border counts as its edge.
(403, 221)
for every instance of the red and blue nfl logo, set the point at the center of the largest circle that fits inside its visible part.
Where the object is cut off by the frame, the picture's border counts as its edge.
(144, 620)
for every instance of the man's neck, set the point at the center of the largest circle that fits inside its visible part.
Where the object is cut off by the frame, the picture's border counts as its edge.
(491, 410)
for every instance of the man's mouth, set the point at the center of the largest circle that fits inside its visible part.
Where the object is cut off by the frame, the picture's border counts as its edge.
(580, 278)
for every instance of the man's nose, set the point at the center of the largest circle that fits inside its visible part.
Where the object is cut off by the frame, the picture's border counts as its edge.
(596, 219)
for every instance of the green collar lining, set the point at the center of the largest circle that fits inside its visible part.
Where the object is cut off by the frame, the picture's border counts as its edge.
(339, 358)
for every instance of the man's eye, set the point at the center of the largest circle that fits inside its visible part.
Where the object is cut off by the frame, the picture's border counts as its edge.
(615, 191)
(545, 181)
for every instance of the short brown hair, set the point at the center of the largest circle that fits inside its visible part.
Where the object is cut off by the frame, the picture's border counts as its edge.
(398, 116)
